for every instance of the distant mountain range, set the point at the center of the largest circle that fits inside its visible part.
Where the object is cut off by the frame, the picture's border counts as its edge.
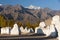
(32, 14)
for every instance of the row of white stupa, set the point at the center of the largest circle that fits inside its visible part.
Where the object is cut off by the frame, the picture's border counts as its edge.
(49, 30)
(15, 30)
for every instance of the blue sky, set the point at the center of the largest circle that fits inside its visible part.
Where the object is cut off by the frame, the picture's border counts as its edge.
(52, 4)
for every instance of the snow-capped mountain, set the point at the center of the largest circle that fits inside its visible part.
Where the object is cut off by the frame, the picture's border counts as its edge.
(33, 7)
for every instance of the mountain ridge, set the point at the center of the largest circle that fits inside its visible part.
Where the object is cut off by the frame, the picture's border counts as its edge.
(25, 16)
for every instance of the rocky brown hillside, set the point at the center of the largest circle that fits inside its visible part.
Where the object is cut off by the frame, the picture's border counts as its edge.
(24, 16)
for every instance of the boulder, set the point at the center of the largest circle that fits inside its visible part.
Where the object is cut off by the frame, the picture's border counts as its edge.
(5, 30)
(15, 30)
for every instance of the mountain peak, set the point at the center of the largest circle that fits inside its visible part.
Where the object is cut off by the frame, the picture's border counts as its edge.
(0, 4)
(33, 7)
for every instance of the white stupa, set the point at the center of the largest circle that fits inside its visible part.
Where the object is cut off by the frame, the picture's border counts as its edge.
(56, 22)
(21, 29)
(30, 30)
(14, 30)
(5, 30)
(24, 31)
(46, 30)
(42, 24)
(55, 19)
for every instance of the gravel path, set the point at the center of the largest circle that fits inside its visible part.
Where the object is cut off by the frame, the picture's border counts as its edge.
(32, 36)
(26, 38)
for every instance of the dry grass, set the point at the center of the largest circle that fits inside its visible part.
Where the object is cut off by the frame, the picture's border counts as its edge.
(48, 21)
